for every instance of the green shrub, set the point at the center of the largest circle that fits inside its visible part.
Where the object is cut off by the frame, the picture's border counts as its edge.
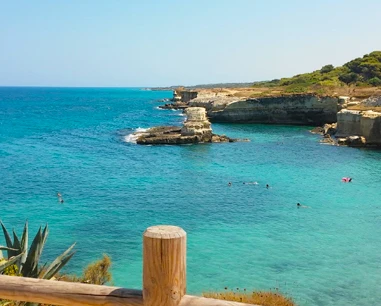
(348, 78)
(375, 81)
(326, 68)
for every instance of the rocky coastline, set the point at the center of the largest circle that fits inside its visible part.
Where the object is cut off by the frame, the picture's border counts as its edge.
(332, 115)
(297, 109)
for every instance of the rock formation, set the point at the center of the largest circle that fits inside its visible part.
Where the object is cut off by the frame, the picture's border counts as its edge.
(196, 129)
(366, 124)
(197, 124)
(182, 95)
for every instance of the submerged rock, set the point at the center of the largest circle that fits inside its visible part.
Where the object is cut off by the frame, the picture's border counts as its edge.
(196, 129)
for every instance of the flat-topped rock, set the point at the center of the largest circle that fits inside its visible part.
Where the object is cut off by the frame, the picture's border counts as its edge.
(360, 123)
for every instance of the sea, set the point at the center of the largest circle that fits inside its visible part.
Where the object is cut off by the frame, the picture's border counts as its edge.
(78, 142)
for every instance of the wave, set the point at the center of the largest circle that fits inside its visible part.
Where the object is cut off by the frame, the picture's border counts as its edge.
(131, 138)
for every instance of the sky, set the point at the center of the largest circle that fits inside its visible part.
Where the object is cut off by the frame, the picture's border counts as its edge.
(184, 42)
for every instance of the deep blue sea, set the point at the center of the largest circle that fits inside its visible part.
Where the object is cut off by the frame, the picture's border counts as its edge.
(74, 141)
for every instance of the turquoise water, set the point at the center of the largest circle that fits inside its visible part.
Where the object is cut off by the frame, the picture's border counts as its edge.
(74, 141)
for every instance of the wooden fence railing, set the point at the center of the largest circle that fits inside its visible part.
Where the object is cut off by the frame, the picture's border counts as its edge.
(164, 280)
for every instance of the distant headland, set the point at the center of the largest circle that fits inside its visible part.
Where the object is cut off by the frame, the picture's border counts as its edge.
(347, 97)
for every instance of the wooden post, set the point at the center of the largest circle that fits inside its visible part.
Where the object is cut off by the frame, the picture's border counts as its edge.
(164, 265)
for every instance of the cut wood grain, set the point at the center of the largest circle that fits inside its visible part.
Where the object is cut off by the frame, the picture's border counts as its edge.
(164, 265)
(65, 293)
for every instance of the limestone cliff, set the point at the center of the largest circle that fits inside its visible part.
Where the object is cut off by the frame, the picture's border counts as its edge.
(360, 123)
(306, 109)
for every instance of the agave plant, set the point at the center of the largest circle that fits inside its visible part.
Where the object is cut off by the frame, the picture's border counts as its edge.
(28, 261)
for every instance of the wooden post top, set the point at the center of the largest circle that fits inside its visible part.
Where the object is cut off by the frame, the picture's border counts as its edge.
(164, 232)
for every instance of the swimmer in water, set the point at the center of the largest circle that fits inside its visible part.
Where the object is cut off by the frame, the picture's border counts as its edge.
(229, 184)
(267, 186)
(59, 195)
(60, 200)
(298, 205)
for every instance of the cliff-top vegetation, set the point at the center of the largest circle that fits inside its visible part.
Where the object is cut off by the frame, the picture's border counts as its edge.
(360, 73)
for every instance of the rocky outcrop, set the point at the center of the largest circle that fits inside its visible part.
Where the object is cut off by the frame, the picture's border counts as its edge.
(327, 131)
(183, 95)
(196, 129)
(197, 124)
(306, 109)
(352, 141)
(359, 123)
(330, 129)
(180, 99)
(374, 101)
(174, 105)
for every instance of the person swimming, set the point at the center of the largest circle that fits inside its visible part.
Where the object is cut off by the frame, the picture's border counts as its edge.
(59, 195)
(229, 184)
(267, 186)
(346, 179)
(298, 205)
(250, 183)
(60, 200)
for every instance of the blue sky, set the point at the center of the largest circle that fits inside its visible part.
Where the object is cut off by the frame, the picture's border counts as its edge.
(160, 43)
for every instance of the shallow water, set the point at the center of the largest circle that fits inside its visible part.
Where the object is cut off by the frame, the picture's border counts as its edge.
(73, 140)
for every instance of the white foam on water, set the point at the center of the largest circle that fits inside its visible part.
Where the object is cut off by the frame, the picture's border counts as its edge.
(131, 138)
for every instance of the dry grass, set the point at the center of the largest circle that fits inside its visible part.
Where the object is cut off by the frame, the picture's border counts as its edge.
(263, 91)
(264, 298)
(361, 107)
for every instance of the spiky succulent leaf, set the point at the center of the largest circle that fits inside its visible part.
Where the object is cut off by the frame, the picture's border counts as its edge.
(10, 262)
(3, 248)
(30, 267)
(45, 235)
(58, 263)
(8, 240)
(24, 246)
(42, 271)
(59, 266)
(16, 243)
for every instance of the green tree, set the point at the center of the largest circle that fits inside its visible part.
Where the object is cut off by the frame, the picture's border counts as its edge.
(348, 78)
(375, 81)
(326, 68)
